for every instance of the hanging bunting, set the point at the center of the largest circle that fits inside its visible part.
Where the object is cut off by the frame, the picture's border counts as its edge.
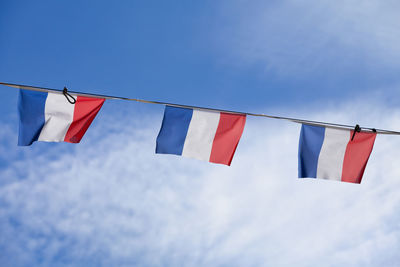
(55, 117)
(334, 154)
(200, 134)
(326, 150)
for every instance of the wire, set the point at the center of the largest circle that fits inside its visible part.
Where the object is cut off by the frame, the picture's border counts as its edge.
(302, 121)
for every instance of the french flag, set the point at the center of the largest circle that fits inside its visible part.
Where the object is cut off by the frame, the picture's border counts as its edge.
(200, 134)
(331, 154)
(50, 117)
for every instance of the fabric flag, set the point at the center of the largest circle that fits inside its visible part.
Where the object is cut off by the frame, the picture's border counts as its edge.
(199, 134)
(50, 117)
(329, 153)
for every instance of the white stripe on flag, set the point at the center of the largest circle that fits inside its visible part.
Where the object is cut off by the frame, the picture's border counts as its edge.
(200, 135)
(58, 115)
(330, 161)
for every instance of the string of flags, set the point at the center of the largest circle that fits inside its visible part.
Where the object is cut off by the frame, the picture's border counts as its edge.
(326, 150)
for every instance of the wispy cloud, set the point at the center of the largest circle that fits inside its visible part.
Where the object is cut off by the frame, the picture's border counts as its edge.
(300, 37)
(112, 201)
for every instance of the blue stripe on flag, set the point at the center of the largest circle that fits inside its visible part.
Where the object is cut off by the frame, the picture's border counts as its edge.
(173, 130)
(31, 116)
(311, 139)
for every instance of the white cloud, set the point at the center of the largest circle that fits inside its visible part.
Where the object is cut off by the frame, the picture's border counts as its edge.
(299, 37)
(112, 201)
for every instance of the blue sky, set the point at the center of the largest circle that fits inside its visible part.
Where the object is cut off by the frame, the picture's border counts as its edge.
(111, 201)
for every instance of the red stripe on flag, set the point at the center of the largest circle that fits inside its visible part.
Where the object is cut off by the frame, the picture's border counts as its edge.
(356, 157)
(86, 109)
(229, 131)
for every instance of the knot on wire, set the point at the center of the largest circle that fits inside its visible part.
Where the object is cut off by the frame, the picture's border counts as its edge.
(68, 96)
(357, 129)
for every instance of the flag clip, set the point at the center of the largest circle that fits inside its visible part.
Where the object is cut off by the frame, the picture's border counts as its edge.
(68, 96)
(357, 129)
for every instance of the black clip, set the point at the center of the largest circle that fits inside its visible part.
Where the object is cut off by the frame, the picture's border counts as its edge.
(69, 97)
(357, 129)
